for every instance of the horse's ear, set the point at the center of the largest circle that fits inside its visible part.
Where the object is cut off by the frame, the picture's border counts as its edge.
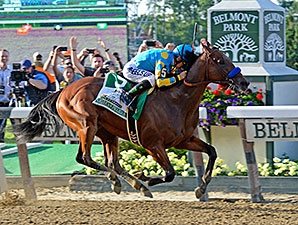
(207, 46)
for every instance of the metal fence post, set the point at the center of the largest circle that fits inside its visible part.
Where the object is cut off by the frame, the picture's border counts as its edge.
(25, 169)
(3, 182)
(253, 173)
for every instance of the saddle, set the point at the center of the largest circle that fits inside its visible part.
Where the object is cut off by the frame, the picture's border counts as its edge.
(109, 98)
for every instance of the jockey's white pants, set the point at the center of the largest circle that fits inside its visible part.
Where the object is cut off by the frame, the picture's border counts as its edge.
(131, 72)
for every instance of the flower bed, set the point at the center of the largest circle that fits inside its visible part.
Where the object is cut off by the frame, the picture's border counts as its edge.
(218, 100)
(137, 159)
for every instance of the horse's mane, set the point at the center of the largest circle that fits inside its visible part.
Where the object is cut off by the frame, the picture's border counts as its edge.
(191, 59)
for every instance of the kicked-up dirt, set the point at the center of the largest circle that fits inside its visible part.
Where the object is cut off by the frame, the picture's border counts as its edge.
(102, 210)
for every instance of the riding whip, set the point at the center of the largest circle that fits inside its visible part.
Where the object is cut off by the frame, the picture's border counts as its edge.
(194, 36)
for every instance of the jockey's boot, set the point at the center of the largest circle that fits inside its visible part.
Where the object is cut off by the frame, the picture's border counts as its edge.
(127, 97)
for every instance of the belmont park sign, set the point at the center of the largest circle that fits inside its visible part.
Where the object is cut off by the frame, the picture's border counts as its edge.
(236, 34)
(271, 129)
(239, 35)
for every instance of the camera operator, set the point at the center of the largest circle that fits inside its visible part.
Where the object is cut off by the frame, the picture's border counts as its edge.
(5, 90)
(39, 84)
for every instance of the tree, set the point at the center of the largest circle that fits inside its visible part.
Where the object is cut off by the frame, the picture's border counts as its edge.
(235, 42)
(176, 19)
(292, 36)
(274, 43)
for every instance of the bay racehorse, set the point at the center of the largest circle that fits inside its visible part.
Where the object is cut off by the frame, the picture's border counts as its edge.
(169, 119)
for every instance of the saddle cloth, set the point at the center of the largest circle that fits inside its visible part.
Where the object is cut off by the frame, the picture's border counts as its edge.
(109, 96)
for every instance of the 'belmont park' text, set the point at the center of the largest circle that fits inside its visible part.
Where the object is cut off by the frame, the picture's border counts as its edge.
(225, 18)
(271, 129)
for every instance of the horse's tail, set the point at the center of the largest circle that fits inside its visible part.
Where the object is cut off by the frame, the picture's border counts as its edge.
(35, 124)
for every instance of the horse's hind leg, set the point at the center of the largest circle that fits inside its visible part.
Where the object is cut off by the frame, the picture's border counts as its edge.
(110, 143)
(195, 144)
(84, 156)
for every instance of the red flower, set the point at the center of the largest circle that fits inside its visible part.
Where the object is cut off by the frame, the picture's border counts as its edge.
(215, 92)
(228, 92)
(259, 96)
(220, 86)
(209, 88)
(260, 90)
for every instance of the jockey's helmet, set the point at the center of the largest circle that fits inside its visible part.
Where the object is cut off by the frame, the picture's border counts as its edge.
(181, 51)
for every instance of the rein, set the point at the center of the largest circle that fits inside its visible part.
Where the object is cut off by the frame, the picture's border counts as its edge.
(225, 75)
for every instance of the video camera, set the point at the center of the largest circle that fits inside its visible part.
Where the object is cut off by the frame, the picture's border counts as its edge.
(17, 74)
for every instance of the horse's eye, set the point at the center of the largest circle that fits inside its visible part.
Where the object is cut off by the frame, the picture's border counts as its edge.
(220, 61)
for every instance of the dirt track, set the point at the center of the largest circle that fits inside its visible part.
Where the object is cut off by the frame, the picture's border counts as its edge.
(132, 211)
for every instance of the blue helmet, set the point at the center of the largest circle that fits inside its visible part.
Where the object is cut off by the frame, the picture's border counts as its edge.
(180, 51)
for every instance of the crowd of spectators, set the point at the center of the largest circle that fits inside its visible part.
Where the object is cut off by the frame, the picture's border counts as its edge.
(63, 66)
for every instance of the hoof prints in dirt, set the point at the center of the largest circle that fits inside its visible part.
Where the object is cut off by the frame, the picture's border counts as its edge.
(148, 212)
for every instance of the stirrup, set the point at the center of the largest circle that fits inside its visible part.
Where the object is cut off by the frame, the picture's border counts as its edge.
(126, 98)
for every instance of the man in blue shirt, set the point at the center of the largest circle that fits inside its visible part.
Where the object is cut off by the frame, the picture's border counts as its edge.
(156, 66)
(38, 83)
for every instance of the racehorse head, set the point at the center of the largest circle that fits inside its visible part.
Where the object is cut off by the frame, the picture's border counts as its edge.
(218, 69)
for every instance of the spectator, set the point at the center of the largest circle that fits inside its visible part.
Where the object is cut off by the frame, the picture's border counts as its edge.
(83, 55)
(38, 83)
(107, 50)
(120, 64)
(37, 59)
(170, 46)
(68, 76)
(38, 65)
(144, 46)
(5, 95)
(96, 60)
(108, 66)
(65, 62)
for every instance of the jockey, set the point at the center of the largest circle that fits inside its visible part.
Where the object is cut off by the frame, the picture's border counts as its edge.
(156, 66)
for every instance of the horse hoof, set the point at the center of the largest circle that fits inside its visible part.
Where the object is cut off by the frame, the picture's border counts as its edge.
(116, 189)
(145, 192)
(198, 192)
(138, 174)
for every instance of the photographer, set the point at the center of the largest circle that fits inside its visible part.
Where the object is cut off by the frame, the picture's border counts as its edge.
(147, 43)
(5, 90)
(39, 84)
(108, 66)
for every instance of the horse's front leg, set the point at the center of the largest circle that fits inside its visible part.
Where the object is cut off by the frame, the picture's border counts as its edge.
(160, 156)
(196, 144)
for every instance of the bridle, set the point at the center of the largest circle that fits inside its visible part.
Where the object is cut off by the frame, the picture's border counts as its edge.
(228, 77)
